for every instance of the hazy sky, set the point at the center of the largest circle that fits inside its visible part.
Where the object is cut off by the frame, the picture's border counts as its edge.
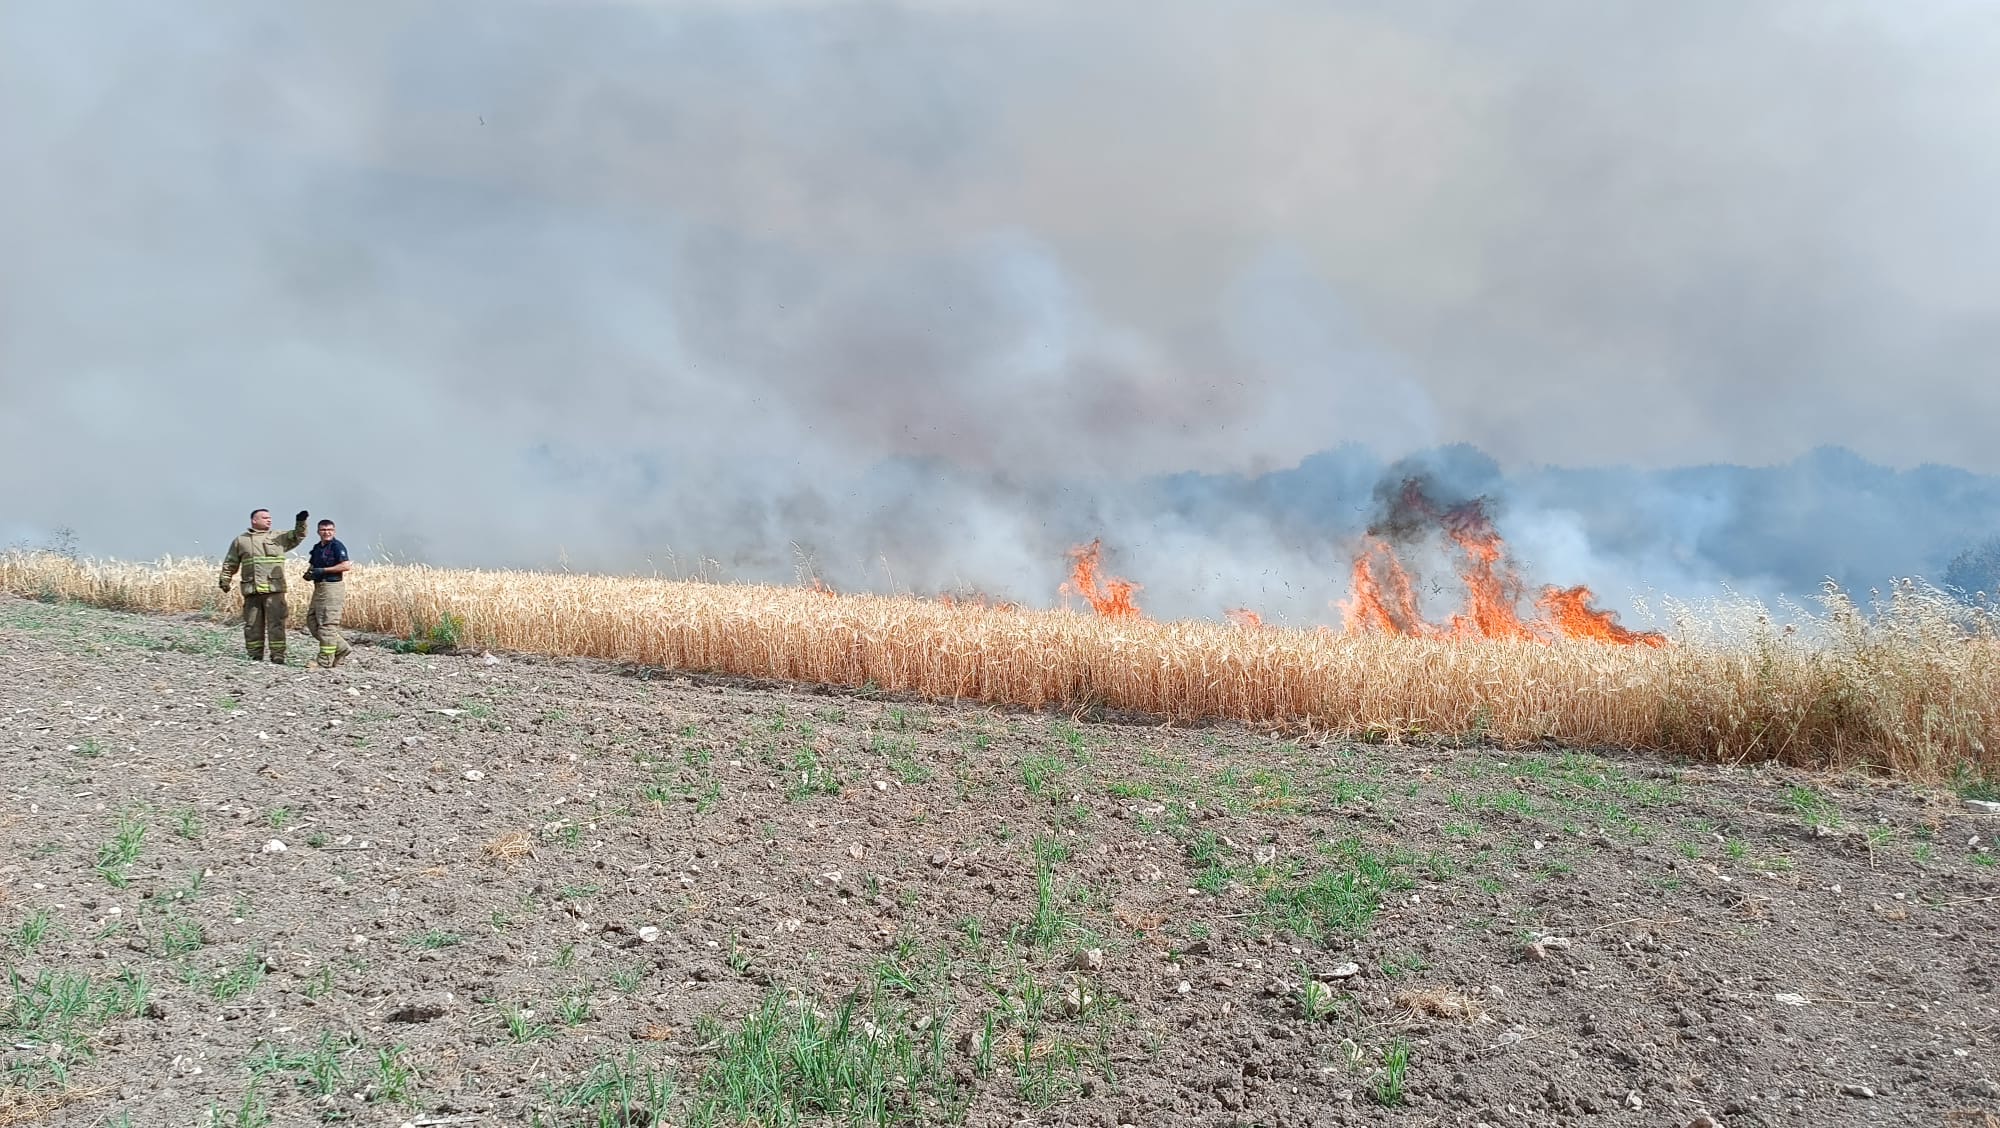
(490, 280)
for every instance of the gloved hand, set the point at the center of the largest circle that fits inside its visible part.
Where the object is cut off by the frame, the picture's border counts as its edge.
(224, 585)
(312, 575)
(300, 517)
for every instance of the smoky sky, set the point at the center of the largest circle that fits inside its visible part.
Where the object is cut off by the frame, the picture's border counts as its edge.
(921, 294)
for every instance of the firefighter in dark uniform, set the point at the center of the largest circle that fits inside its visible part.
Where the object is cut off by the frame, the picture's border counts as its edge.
(328, 573)
(260, 555)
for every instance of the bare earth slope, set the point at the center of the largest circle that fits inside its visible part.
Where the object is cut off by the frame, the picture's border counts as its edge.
(514, 891)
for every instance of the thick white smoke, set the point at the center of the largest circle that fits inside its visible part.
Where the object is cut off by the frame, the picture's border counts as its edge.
(933, 291)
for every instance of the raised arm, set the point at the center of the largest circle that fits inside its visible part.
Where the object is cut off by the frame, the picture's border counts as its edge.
(298, 531)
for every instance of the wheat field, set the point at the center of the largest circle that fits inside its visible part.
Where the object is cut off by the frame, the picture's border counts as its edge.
(1909, 686)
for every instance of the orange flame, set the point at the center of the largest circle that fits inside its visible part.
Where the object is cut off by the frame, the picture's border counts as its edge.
(821, 587)
(1113, 600)
(1493, 588)
(1244, 617)
(1570, 610)
(1372, 610)
(1364, 612)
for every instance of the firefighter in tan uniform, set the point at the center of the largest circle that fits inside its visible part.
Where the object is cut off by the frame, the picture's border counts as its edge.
(260, 555)
(327, 569)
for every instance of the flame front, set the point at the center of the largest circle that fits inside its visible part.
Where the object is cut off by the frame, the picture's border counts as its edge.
(1493, 587)
(1570, 610)
(1113, 598)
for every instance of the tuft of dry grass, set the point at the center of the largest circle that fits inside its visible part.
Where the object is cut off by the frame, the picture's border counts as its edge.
(21, 1105)
(1442, 1002)
(1910, 685)
(510, 847)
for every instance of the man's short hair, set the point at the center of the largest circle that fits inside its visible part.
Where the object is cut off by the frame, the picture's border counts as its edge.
(255, 512)
(324, 523)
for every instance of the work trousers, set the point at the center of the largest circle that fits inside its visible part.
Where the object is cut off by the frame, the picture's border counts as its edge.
(323, 620)
(264, 625)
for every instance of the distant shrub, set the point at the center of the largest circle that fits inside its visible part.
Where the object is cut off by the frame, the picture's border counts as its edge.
(1975, 571)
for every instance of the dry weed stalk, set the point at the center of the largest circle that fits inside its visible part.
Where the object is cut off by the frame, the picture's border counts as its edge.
(1897, 688)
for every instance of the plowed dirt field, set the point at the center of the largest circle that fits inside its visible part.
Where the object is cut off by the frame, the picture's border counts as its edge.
(497, 890)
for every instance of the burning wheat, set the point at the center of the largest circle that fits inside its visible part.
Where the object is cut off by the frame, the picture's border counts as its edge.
(1493, 588)
(1900, 690)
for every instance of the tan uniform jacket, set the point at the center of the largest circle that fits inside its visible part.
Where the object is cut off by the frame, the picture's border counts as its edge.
(261, 556)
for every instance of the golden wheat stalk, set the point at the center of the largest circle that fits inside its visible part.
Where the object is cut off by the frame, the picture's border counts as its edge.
(1905, 690)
